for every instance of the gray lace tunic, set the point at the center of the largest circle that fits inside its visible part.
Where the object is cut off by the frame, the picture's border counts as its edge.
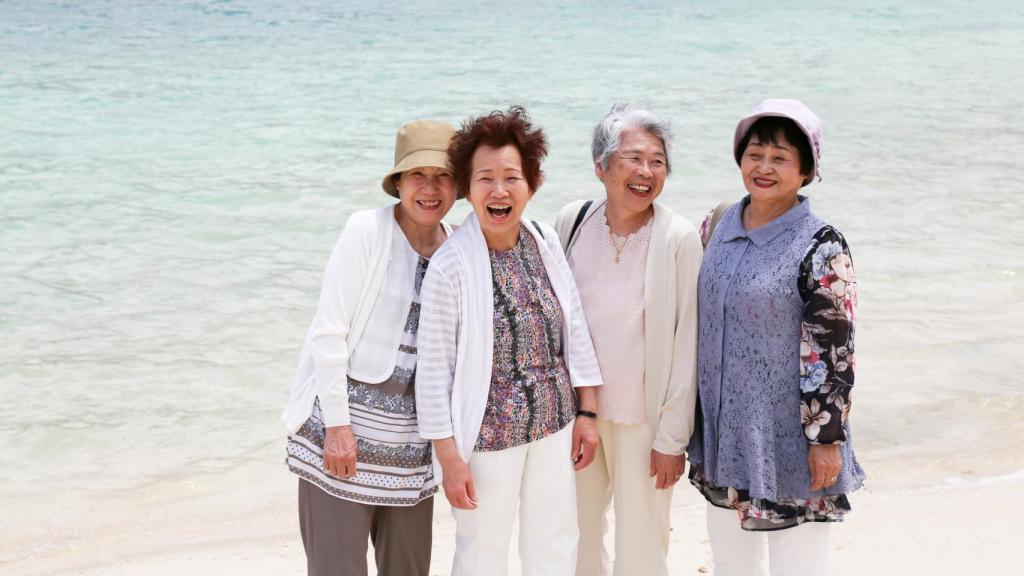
(749, 449)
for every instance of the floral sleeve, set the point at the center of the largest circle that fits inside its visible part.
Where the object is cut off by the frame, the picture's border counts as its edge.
(828, 288)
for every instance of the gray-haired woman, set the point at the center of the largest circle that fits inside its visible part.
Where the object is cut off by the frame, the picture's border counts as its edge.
(364, 471)
(636, 264)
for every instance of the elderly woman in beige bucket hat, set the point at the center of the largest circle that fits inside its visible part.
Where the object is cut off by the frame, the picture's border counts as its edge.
(364, 471)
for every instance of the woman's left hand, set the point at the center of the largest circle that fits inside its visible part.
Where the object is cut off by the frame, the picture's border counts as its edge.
(584, 442)
(825, 462)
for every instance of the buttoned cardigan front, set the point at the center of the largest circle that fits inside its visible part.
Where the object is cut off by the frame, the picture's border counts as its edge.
(751, 436)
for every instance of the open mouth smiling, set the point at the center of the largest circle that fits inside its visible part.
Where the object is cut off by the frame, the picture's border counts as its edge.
(499, 210)
(641, 189)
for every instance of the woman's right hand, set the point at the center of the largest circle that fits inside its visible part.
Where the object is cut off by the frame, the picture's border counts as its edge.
(458, 479)
(340, 449)
(458, 486)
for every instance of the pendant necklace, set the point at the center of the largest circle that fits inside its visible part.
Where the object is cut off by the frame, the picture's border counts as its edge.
(618, 247)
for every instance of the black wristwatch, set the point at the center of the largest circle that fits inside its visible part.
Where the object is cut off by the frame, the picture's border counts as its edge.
(587, 414)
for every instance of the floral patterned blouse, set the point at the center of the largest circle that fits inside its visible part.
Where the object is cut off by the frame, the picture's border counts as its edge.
(530, 395)
(827, 290)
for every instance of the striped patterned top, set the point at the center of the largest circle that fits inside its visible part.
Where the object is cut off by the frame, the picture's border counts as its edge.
(393, 465)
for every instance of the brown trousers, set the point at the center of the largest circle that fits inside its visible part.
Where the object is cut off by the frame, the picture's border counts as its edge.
(335, 531)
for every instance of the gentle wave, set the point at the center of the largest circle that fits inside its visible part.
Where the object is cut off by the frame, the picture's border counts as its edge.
(173, 175)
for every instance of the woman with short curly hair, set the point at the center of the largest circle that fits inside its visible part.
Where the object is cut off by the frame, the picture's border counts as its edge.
(507, 367)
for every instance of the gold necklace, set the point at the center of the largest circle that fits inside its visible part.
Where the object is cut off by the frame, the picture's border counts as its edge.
(618, 248)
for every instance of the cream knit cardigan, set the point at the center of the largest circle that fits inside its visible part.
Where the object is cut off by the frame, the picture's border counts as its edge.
(353, 280)
(670, 322)
(456, 335)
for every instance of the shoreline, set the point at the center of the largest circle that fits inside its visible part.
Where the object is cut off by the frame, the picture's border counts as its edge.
(909, 518)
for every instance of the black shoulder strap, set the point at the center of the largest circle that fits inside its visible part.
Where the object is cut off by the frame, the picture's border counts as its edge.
(579, 219)
(537, 226)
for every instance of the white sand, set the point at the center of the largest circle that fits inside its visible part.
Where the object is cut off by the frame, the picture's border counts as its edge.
(911, 520)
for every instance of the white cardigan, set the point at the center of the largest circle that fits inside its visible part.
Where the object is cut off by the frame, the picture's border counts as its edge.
(670, 322)
(456, 336)
(353, 281)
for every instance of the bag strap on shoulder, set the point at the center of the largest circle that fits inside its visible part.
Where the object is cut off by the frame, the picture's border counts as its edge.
(716, 215)
(579, 220)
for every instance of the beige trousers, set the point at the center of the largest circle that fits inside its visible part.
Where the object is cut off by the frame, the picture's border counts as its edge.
(621, 473)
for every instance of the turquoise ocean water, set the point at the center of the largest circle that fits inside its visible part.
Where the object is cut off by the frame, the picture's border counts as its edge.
(174, 174)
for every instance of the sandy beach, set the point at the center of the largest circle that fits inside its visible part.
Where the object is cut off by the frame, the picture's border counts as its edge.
(944, 495)
(930, 516)
(174, 174)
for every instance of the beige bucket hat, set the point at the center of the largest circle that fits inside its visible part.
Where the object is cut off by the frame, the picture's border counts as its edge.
(419, 143)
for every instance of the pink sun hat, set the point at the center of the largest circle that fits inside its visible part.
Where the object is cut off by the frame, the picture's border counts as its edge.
(795, 110)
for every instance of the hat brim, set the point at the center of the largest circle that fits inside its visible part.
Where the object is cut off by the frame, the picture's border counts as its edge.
(418, 159)
(744, 126)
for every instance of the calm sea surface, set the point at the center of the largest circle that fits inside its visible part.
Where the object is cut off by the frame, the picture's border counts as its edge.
(174, 174)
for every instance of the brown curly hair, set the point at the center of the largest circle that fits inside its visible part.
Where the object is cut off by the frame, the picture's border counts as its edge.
(497, 130)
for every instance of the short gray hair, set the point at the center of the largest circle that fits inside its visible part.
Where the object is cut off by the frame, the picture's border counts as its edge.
(624, 116)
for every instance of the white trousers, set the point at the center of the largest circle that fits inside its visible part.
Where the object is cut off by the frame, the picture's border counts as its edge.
(620, 473)
(798, 551)
(538, 478)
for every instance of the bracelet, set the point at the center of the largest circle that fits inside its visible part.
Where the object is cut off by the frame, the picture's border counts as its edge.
(587, 414)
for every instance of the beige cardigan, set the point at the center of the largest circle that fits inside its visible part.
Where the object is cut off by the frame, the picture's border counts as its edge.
(670, 321)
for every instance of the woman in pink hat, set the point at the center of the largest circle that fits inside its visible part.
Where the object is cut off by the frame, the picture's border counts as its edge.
(773, 451)
(364, 471)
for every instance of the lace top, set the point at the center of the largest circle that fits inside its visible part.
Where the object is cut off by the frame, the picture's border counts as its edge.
(776, 365)
(612, 294)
